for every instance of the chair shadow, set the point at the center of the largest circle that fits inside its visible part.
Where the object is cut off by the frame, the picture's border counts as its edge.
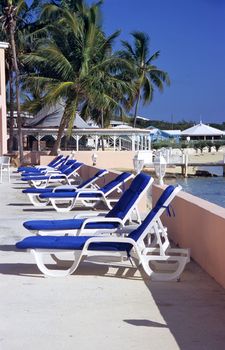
(193, 309)
(86, 268)
(31, 270)
(18, 188)
(37, 210)
(49, 208)
(20, 269)
(19, 204)
(8, 248)
(145, 323)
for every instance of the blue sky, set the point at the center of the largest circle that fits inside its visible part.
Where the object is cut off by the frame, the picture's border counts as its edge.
(190, 35)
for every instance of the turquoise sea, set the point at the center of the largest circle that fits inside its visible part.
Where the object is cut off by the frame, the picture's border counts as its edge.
(211, 189)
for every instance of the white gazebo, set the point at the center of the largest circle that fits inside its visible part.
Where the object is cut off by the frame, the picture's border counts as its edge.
(202, 131)
(122, 137)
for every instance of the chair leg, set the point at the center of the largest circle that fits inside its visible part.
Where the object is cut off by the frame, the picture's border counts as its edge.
(39, 184)
(55, 273)
(60, 209)
(168, 261)
(34, 198)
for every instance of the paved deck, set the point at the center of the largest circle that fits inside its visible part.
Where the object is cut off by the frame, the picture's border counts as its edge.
(98, 307)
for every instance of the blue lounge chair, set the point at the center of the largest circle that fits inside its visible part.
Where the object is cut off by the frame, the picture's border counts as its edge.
(65, 201)
(53, 164)
(157, 263)
(114, 219)
(64, 163)
(66, 175)
(34, 193)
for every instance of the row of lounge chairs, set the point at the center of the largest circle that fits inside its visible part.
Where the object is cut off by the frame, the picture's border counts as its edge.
(115, 232)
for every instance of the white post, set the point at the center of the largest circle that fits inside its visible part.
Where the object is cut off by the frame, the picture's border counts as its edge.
(186, 165)
(133, 142)
(120, 143)
(224, 165)
(146, 145)
(138, 142)
(96, 142)
(114, 143)
(77, 143)
(38, 142)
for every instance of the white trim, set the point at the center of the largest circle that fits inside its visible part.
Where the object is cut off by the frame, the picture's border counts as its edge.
(4, 45)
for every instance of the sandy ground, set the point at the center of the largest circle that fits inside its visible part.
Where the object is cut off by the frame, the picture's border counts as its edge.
(100, 306)
(214, 157)
(202, 158)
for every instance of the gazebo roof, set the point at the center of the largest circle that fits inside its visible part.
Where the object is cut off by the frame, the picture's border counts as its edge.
(50, 117)
(202, 130)
(86, 131)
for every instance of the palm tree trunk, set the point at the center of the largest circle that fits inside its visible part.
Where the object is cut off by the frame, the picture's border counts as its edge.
(136, 107)
(15, 65)
(102, 122)
(11, 102)
(61, 129)
(69, 108)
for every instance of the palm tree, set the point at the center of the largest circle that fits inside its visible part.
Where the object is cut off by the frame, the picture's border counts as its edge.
(14, 18)
(75, 63)
(146, 75)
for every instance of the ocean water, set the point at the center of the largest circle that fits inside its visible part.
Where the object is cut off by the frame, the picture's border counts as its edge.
(211, 189)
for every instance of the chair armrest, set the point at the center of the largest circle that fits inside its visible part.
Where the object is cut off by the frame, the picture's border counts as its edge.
(105, 239)
(100, 219)
(90, 214)
(79, 193)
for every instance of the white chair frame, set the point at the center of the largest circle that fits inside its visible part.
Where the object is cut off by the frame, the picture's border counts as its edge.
(4, 166)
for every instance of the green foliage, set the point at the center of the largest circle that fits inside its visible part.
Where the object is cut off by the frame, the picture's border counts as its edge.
(218, 144)
(164, 144)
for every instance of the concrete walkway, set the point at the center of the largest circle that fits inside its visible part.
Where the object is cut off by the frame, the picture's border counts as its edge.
(98, 307)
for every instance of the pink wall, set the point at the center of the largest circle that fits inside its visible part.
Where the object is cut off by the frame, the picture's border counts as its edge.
(105, 159)
(200, 226)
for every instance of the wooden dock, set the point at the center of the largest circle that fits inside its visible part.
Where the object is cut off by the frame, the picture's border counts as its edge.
(184, 166)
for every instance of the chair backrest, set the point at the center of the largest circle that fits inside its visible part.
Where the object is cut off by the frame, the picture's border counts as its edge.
(131, 197)
(55, 161)
(62, 163)
(4, 160)
(114, 184)
(162, 204)
(93, 179)
(65, 166)
(73, 168)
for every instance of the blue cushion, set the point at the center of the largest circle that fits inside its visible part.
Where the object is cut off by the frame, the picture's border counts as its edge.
(47, 190)
(68, 242)
(37, 190)
(70, 194)
(33, 169)
(130, 196)
(56, 160)
(29, 178)
(68, 224)
(118, 180)
(96, 176)
(40, 177)
(69, 169)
